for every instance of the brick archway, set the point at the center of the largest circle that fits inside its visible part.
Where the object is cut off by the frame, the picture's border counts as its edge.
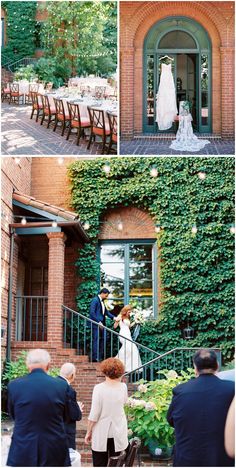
(127, 223)
(136, 21)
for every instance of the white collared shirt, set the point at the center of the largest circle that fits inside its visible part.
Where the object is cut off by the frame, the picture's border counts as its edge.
(103, 305)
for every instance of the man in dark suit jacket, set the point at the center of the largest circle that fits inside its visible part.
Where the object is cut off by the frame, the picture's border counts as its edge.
(198, 412)
(37, 403)
(98, 313)
(73, 413)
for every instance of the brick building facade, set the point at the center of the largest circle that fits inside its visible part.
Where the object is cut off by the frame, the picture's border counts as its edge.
(197, 34)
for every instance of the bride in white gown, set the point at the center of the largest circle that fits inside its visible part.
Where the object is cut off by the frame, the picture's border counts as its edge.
(128, 353)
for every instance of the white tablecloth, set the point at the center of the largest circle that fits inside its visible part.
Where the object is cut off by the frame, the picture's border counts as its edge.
(24, 86)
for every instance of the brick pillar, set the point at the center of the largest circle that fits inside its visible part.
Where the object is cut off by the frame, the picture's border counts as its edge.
(127, 92)
(56, 262)
(227, 91)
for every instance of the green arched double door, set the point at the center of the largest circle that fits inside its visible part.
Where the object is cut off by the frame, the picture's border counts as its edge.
(188, 45)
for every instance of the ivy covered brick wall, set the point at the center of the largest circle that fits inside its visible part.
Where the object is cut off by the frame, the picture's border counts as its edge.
(20, 27)
(197, 265)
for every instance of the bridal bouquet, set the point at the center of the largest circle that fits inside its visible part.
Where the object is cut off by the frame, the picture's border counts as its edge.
(137, 316)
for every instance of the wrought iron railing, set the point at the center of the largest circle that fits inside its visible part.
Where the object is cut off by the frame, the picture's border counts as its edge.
(78, 333)
(13, 65)
(31, 318)
(177, 359)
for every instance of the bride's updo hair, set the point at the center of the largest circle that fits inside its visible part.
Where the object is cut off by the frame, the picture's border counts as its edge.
(126, 309)
(112, 368)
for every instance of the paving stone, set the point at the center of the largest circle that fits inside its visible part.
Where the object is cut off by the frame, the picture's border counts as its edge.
(148, 146)
(23, 136)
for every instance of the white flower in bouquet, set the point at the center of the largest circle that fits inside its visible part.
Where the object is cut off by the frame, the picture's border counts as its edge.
(137, 316)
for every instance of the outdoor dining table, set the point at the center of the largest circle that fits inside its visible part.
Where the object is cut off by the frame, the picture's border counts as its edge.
(24, 86)
(104, 104)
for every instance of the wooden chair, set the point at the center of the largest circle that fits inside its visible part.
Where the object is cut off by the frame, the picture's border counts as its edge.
(112, 119)
(134, 445)
(76, 121)
(37, 105)
(5, 91)
(98, 126)
(118, 460)
(33, 88)
(15, 94)
(100, 92)
(61, 116)
(49, 111)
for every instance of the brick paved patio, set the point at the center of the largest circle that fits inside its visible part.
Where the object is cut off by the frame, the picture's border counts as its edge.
(21, 135)
(154, 146)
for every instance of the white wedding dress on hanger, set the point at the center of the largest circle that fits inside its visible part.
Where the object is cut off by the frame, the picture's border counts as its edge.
(166, 108)
(128, 353)
(185, 138)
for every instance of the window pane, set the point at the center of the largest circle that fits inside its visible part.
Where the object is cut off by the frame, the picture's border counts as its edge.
(112, 253)
(112, 277)
(145, 304)
(140, 279)
(150, 90)
(177, 40)
(140, 252)
(204, 89)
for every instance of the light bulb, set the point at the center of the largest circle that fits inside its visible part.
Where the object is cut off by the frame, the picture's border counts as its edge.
(86, 225)
(23, 221)
(154, 172)
(201, 175)
(158, 229)
(54, 224)
(232, 229)
(107, 168)
(120, 226)
(194, 229)
(60, 161)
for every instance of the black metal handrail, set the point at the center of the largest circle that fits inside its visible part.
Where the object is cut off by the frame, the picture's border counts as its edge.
(31, 318)
(78, 332)
(177, 364)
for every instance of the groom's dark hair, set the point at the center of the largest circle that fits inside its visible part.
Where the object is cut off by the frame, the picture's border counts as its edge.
(104, 291)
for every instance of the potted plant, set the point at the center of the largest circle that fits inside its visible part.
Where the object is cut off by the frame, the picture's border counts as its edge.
(147, 409)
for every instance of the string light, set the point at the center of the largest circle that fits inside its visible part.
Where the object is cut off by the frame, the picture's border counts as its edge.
(106, 168)
(120, 226)
(232, 229)
(201, 175)
(60, 161)
(86, 226)
(23, 221)
(157, 228)
(154, 171)
(54, 224)
(194, 229)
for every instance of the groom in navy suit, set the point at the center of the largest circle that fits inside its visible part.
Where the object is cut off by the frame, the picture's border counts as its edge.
(98, 313)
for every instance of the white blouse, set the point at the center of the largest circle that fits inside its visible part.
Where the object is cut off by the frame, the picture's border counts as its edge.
(108, 411)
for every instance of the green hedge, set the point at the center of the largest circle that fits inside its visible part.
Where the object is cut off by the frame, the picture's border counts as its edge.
(197, 271)
(20, 27)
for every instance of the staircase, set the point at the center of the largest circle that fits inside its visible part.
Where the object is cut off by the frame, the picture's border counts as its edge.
(9, 67)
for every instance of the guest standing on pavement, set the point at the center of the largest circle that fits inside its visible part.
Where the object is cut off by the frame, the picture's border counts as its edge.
(74, 409)
(98, 313)
(37, 403)
(107, 424)
(198, 412)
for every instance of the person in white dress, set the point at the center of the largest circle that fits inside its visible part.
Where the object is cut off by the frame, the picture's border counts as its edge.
(185, 138)
(128, 353)
(107, 423)
(166, 107)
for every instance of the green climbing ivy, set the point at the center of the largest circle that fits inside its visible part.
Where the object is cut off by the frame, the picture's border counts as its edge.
(21, 29)
(197, 270)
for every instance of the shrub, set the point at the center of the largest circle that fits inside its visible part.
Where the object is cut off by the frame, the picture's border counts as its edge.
(26, 73)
